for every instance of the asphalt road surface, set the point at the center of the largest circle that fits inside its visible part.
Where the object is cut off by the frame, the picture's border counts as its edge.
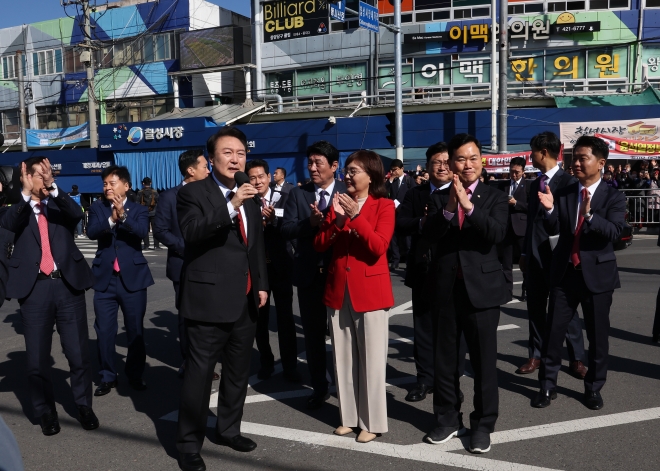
(138, 429)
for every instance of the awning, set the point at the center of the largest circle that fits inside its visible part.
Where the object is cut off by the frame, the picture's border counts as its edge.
(650, 96)
(221, 115)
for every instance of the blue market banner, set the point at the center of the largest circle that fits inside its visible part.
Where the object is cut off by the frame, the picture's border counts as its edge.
(57, 137)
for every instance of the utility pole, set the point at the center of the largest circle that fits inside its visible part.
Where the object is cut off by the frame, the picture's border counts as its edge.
(21, 99)
(398, 98)
(503, 69)
(493, 76)
(88, 58)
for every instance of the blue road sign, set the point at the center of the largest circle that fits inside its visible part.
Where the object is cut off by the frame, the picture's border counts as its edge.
(338, 11)
(369, 17)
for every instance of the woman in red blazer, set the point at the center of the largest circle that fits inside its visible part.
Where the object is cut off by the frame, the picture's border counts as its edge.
(358, 293)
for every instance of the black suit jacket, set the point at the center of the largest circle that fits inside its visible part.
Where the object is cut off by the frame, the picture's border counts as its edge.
(473, 246)
(166, 230)
(400, 193)
(536, 237)
(296, 226)
(286, 187)
(408, 216)
(63, 215)
(279, 251)
(216, 261)
(518, 212)
(596, 241)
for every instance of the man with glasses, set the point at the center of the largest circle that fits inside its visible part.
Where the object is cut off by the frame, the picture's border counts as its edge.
(305, 209)
(410, 219)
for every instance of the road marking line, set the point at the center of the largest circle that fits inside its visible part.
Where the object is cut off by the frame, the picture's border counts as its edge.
(514, 301)
(401, 309)
(508, 327)
(517, 282)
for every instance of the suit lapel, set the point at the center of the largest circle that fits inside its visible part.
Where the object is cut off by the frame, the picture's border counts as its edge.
(310, 194)
(34, 226)
(600, 196)
(572, 202)
(213, 192)
(52, 214)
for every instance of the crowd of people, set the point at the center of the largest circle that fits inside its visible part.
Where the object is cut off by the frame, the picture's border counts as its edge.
(234, 237)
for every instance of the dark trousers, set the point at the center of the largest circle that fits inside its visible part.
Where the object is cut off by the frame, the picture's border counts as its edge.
(314, 318)
(398, 250)
(282, 289)
(53, 303)
(133, 306)
(564, 300)
(656, 321)
(183, 335)
(230, 342)
(510, 251)
(146, 238)
(537, 310)
(424, 334)
(460, 317)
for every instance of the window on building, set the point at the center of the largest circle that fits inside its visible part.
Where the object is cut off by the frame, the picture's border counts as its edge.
(77, 115)
(138, 110)
(11, 126)
(652, 3)
(566, 6)
(608, 4)
(47, 62)
(522, 8)
(432, 4)
(72, 61)
(9, 67)
(50, 117)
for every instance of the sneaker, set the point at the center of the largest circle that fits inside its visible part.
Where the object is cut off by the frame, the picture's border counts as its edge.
(444, 434)
(479, 442)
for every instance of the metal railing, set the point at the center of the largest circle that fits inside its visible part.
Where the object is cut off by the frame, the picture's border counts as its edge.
(643, 206)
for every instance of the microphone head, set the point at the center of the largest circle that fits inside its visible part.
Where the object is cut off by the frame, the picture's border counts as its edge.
(241, 178)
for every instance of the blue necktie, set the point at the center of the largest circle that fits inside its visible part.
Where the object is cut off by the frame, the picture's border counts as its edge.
(322, 203)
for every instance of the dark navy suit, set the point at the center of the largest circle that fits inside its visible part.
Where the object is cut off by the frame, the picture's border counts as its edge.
(166, 230)
(309, 276)
(126, 289)
(50, 301)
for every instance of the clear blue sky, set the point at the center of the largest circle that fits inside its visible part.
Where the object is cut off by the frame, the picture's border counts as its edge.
(18, 12)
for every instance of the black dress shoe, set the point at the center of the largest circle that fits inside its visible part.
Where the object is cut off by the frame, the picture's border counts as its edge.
(87, 418)
(137, 384)
(593, 400)
(444, 434)
(265, 372)
(316, 400)
(239, 443)
(419, 392)
(50, 424)
(105, 387)
(544, 398)
(479, 442)
(292, 376)
(191, 462)
(523, 296)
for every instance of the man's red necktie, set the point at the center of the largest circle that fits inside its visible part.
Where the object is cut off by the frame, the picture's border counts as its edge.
(575, 251)
(461, 212)
(245, 239)
(47, 264)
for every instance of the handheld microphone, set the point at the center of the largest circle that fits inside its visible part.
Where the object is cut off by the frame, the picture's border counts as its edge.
(242, 178)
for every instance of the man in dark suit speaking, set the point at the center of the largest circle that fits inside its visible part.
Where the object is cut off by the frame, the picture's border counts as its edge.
(466, 221)
(588, 216)
(224, 283)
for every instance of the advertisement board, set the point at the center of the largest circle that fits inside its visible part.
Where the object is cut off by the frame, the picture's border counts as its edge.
(631, 130)
(205, 48)
(289, 20)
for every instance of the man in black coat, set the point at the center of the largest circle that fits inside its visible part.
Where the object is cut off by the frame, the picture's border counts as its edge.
(193, 167)
(223, 285)
(279, 183)
(397, 187)
(589, 217)
(410, 218)
(466, 222)
(279, 260)
(49, 275)
(517, 190)
(305, 209)
(536, 259)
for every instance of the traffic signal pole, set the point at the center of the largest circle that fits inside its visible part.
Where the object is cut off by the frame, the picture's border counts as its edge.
(398, 95)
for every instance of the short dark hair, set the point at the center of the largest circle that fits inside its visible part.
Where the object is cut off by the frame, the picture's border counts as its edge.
(257, 163)
(223, 132)
(546, 140)
(437, 148)
(396, 163)
(283, 170)
(146, 181)
(459, 140)
(373, 165)
(74, 187)
(120, 172)
(189, 159)
(484, 174)
(326, 149)
(518, 161)
(598, 146)
(30, 162)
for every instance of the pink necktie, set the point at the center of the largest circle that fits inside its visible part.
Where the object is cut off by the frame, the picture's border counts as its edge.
(461, 211)
(47, 264)
(115, 266)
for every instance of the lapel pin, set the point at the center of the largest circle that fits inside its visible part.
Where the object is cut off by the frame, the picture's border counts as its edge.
(478, 196)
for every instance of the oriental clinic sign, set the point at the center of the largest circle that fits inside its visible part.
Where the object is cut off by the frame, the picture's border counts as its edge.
(285, 19)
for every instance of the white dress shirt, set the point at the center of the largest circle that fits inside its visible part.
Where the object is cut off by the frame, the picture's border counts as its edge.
(230, 207)
(328, 190)
(36, 209)
(591, 189)
(514, 186)
(551, 173)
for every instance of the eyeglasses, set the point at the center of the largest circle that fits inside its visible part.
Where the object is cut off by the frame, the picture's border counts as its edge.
(351, 172)
(440, 164)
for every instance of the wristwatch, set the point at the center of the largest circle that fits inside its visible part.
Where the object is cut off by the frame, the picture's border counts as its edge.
(123, 217)
(51, 187)
(588, 214)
